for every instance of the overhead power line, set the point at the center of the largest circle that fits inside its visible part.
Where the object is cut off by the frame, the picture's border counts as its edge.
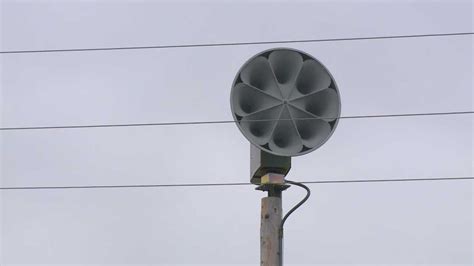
(236, 43)
(229, 121)
(238, 184)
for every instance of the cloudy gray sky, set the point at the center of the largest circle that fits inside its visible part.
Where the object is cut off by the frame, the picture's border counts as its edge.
(382, 224)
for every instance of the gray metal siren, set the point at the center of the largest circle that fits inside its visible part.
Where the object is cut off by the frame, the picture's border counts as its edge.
(285, 102)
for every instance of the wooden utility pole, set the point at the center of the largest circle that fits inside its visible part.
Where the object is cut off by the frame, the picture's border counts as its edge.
(271, 252)
(269, 231)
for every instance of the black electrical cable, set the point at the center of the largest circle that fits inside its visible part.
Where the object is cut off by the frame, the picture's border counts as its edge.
(236, 43)
(388, 180)
(230, 121)
(308, 194)
(282, 224)
(237, 184)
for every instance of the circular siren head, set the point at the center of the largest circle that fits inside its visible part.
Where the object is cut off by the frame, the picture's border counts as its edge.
(285, 102)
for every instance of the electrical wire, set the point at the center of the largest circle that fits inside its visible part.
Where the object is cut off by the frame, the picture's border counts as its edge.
(236, 43)
(308, 194)
(388, 180)
(236, 184)
(282, 224)
(228, 121)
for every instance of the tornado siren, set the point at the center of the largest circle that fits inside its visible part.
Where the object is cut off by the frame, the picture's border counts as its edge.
(285, 102)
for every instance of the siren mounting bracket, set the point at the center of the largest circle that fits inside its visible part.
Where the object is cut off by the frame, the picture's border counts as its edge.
(263, 163)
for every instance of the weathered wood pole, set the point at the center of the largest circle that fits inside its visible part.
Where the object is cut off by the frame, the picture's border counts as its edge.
(271, 214)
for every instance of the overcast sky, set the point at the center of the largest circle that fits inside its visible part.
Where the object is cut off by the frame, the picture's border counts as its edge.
(384, 223)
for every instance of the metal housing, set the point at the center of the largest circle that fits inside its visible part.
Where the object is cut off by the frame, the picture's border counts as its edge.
(262, 163)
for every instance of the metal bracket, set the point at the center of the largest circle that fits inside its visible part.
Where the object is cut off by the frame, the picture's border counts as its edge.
(274, 184)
